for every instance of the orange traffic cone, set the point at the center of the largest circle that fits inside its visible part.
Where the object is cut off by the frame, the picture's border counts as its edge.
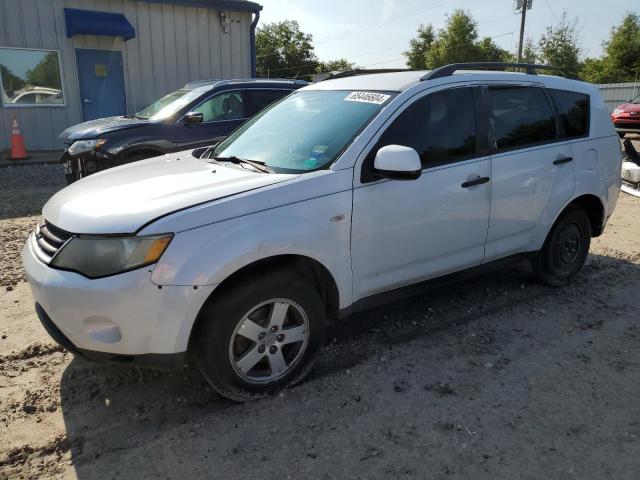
(17, 142)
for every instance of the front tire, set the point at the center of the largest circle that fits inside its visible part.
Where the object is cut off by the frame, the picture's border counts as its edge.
(565, 250)
(259, 337)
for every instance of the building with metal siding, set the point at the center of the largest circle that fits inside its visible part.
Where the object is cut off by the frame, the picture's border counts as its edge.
(175, 42)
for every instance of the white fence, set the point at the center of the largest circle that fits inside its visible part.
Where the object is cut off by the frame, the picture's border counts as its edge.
(616, 93)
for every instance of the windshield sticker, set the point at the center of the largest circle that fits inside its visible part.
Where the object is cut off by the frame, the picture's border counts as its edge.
(367, 97)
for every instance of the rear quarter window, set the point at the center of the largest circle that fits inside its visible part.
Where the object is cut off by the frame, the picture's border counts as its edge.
(573, 108)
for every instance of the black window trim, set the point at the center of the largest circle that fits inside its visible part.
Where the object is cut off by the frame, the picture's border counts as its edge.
(483, 148)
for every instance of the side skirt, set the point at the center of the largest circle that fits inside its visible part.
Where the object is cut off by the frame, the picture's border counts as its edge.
(402, 293)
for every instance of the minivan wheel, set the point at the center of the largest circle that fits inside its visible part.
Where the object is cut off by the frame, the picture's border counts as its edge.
(565, 249)
(259, 337)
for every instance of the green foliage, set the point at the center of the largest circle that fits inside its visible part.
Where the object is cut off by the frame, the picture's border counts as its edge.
(10, 81)
(340, 65)
(457, 42)
(491, 52)
(419, 47)
(46, 73)
(530, 51)
(282, 50)
(621, 59)
(558, 46)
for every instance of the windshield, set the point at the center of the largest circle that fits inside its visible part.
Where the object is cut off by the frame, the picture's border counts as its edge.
(305, 131)
(169, 104)
(635, 99)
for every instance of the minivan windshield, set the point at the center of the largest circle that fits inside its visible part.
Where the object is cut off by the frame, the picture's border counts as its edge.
(305, 131)
(169, 104)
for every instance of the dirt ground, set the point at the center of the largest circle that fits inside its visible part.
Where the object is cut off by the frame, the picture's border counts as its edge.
(495, 378)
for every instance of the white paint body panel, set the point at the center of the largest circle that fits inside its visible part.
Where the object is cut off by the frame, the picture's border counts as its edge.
(370, 237)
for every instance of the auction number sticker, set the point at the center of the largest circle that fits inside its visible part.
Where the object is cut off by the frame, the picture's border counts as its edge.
(367, 97)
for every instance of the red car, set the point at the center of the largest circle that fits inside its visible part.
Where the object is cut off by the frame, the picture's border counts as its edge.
(626, 117)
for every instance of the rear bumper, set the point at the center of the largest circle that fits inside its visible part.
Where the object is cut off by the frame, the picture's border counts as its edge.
(159, 361)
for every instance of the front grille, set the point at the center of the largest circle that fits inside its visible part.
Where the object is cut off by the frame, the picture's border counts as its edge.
(48, 240)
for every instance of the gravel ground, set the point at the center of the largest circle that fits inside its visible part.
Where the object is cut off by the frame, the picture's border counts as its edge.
(24, 190)
(497, 377)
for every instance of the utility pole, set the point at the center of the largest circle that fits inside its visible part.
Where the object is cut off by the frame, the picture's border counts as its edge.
(525, 4)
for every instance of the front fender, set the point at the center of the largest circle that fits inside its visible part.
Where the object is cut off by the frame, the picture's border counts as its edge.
(318, 228)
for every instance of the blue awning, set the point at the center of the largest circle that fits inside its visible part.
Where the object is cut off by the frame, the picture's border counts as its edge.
(89, 22)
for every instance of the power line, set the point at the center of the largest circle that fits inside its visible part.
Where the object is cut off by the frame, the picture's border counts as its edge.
(551, 10)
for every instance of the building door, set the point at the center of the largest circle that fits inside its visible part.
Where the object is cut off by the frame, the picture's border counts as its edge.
(101, 79)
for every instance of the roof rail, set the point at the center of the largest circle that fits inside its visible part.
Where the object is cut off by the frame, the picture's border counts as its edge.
(530, 68)
(359, 71)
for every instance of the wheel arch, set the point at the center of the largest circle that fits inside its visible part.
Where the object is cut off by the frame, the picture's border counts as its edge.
(594, 208)
(123, 156)
(299, 266)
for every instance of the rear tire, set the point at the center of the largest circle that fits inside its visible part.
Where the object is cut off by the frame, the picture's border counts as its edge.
(259, 336)
(565, 250)
(621, 134)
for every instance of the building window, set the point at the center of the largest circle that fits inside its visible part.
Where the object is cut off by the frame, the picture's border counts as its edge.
(30, 78)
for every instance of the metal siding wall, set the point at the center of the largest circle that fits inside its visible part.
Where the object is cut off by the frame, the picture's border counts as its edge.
(174, 45)
(616, 93)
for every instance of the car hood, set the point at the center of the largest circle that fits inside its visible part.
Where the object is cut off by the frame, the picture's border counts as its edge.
(94, 128)
(630, 107)
(123, 199)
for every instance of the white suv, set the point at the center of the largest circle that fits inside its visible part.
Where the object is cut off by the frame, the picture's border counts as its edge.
(324, 203)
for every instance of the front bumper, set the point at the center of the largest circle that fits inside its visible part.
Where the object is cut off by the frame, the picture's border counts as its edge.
(627, 123)
(122, 315)
(160, 361)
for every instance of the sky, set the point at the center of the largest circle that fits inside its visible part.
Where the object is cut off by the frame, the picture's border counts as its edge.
(374, 33)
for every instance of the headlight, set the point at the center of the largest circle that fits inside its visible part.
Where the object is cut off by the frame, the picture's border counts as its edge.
(100, 257)
(83, 146)
(616, 111)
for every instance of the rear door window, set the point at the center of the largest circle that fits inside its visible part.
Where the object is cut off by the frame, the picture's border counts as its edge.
(441, 127)
(521, 116)
(223, 106)
(573, 108)
(258, 99)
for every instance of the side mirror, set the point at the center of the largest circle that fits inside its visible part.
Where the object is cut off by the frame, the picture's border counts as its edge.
(397, 162)
(193, 118)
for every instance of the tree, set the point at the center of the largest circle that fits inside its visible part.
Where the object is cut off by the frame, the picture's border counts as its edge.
(622, 51)
(558, 46)
(46, 73)
(489, 51)
(10, 81)
(419, 47)
(456, 42)
(340, 65)
(595, 70)
(621, 59)
(529, 51)
(282, 50)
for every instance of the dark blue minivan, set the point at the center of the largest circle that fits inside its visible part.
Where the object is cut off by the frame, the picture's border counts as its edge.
(199, 114)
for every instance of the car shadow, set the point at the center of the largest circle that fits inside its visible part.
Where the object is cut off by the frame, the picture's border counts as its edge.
(109, 409)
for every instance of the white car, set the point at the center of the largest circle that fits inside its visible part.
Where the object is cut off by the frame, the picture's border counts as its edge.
(327, 202)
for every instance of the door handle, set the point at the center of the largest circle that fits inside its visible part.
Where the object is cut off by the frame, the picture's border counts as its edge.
(474, 182)
(86, 100)
(560, 161)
